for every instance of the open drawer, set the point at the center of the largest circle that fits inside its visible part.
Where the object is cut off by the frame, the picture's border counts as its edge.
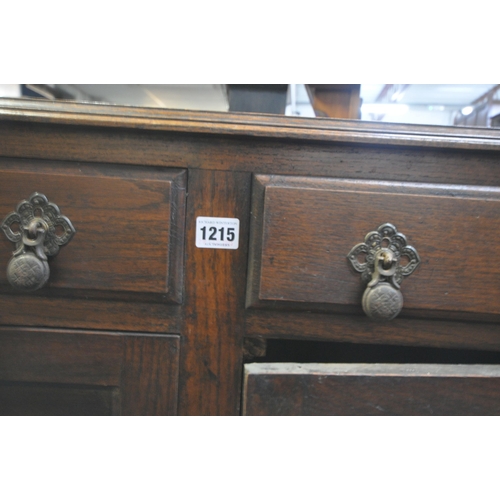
(371, 389)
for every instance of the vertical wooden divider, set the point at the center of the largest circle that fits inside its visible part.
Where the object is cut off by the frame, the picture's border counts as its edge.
(212, 336)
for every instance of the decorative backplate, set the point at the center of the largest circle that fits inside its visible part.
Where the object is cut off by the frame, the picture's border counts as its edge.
(383, 250)
(38, 211)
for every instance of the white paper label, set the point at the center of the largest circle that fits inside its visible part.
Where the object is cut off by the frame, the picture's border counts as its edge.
(217, 232)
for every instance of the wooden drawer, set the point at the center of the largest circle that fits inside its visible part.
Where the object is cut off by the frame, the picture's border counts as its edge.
(364, 389)
(56, 372)
(127, 250)
(303, 229)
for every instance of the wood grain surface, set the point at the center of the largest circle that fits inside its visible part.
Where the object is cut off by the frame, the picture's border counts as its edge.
(150, 375)
(58, 400)
(307, 325)
(304, 229)
(126, 223)
(469, 162)
(112, 372)
(43, 309)
(285, 389)
(212, 336)
(122, 174)
(70, 113)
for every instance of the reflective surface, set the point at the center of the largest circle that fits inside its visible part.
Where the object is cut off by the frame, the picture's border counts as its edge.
(430, 104)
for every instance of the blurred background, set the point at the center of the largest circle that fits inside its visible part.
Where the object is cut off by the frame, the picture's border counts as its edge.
(476, 105)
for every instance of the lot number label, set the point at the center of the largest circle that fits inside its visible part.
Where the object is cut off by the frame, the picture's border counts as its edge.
(217, 232)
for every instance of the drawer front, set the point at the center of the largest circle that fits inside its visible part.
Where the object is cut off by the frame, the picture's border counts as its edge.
(64, 372)
(129, 225)
(304, 228)
(364, 389)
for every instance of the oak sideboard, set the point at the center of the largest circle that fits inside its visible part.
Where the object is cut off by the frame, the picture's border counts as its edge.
(166, 262)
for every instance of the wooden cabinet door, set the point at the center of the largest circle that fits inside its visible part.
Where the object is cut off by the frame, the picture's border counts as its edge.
(58, 372)
(371, 389)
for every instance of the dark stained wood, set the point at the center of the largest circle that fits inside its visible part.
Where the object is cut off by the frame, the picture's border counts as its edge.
(130, 168)
(355, 389)
(129, 243)
(42, 309)
(212, 337)
(58, 400)
(245, 124)
(100, 372)
(308, 226)
(129, 224)
(33, 355)
(150, 374)
(281, 155)
(344, 328)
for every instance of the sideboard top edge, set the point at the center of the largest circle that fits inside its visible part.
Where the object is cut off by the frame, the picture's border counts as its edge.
(247, 124)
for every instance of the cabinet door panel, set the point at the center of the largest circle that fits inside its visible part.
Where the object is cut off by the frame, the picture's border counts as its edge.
(58, 372)
(58, 400)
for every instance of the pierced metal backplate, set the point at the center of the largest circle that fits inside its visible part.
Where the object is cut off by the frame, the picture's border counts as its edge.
(38, 209)
(387, 240)
(382, 270)
(38, 230)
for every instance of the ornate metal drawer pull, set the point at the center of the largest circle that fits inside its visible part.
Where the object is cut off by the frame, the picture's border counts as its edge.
(382, 270)
(38, 229)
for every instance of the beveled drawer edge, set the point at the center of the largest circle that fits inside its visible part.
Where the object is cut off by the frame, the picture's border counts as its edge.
(373, 369)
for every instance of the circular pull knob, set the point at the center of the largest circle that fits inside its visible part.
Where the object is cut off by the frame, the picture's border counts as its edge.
(38, 229)
(383, 302)
(26, 272)
(382, 270)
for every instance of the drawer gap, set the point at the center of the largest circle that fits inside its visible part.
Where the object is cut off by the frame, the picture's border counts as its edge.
(303, 351)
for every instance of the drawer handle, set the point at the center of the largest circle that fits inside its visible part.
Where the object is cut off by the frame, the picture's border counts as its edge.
(382, 270)
(38, 229)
